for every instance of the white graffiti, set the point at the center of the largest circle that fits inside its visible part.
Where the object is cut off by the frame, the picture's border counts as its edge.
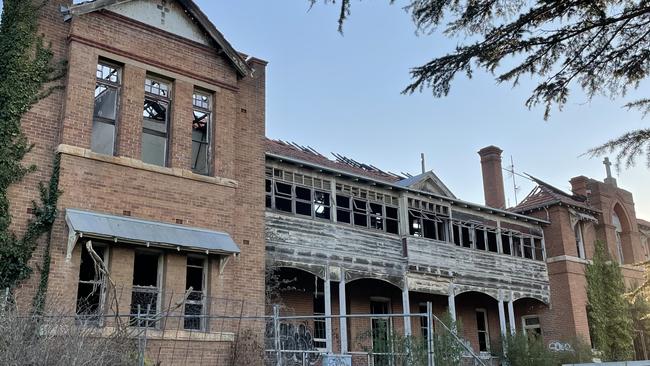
(557, 346)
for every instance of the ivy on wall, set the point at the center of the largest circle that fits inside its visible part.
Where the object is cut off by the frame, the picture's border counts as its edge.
(27, 73)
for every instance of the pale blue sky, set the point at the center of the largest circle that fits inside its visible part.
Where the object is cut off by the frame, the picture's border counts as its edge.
(342, 94)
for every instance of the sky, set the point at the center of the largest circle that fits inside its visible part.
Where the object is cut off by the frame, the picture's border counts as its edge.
(341, 93)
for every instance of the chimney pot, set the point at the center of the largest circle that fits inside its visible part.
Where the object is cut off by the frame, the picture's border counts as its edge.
(492, 177)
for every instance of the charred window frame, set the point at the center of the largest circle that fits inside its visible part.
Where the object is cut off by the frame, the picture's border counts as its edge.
(202, 132)
(580, 242)
(91, 291)
(147, 289)
(528, 246)
(428, 220)
(486, 238)
(156, 121)
(538, 246)
(105, 113)
(195, 306)
(506, 242)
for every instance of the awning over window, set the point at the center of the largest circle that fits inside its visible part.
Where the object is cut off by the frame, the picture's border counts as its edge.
(148, 233)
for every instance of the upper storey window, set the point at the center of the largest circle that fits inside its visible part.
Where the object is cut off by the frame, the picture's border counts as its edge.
(299, 194)
(155, 124)
(107, 90)
(428, 220)
(201, 132)
(366, 208)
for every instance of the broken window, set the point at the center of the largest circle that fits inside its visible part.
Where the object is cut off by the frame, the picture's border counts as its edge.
(456, 233)
(492, 244)
(303, 201)
(107, 90)
(322, 205)
(195, 304)
(415, 223)
(532, 327)
(376, 216)
(360, 210)
(466, 235)
(528, 247)
(539, 249)
(430, 219)
(145, 297)
(201, 132)
(392, 220)
(479, 234)
(483, 331)
(269, 194)
(505, 244)
(155, 125)
(320, 333)
(516, 246)
(343, 212)
(283, 195)
(91, 292)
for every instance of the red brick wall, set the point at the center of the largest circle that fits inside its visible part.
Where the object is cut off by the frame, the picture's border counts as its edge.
(115, 185)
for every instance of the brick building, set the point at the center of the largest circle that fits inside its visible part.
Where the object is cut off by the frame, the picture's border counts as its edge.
(160, 132)
(160, 129)
(361, 240)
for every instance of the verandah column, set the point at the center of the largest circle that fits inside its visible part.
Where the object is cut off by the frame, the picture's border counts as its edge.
(511, 314)
(328, 311)
(452, 302)
(406, 308)
(343, 323)
(502, 315)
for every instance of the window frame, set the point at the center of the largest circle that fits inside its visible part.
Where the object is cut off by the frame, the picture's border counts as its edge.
(203, 321)
(102, 287)
(159, 287)
(157, 98)
(525, 328)
(117, 86)
(210, 130)
(486, 332)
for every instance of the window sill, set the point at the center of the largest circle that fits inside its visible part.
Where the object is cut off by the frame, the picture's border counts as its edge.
(138, 164)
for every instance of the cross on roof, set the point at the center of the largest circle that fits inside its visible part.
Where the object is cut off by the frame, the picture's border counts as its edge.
(608, 167)
(163, 10)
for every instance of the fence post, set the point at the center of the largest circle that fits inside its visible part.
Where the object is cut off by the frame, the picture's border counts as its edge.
(276, 334)
(430, 345)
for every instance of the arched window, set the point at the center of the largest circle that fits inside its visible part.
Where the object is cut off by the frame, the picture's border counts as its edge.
(616, 221)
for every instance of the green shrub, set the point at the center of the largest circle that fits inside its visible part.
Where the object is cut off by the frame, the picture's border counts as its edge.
(524, 351)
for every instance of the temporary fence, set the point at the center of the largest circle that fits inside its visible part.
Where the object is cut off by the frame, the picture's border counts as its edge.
(209, 331)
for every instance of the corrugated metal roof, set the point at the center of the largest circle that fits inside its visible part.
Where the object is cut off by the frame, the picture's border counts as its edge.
(157, 234)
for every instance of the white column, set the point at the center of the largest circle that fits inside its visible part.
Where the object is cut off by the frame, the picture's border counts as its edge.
(406, 309)
(511, 314)
(343, 323)
(452, 302)
(328, 311)
(502, 316)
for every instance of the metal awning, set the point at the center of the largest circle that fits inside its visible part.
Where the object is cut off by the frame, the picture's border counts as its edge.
(121, 229)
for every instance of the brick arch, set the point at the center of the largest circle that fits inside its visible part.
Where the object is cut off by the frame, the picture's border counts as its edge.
(626, 229)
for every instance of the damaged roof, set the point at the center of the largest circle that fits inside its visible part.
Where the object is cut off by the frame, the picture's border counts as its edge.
(342, 163)
(545, 195)
(643, 223)
(191, 9)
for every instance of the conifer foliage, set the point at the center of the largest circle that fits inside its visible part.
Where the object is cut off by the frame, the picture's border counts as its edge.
(610, 322)
(599, 46)
(26, 73)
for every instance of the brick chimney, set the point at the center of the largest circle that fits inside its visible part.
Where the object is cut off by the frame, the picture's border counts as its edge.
(580, 186)
(492, 177)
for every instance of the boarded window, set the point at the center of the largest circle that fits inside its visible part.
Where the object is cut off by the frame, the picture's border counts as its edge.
(107, 91)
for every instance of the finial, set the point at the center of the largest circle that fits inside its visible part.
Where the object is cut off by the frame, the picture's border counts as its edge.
(608, 166)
